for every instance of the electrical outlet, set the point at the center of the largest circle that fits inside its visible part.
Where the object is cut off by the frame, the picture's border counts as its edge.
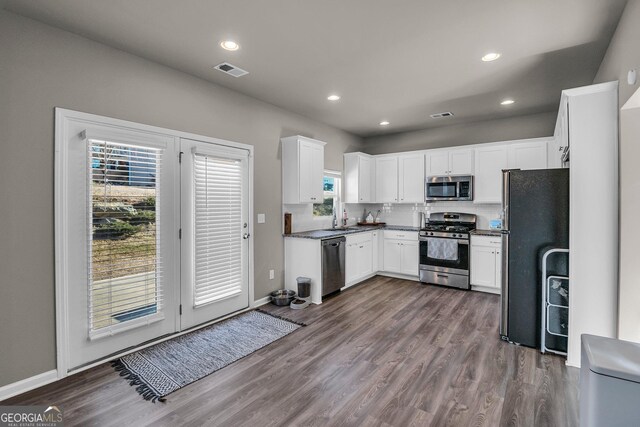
(272, 274)
(261, 218)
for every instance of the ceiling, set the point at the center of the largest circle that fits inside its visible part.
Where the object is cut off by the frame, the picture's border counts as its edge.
(398, 60)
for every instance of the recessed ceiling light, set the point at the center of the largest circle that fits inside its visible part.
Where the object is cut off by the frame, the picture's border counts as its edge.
(507, 102)
(229, 45)
(333, 97)
(491, 57)
(384, 123)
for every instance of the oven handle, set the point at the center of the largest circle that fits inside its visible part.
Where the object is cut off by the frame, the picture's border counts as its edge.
(460, 241)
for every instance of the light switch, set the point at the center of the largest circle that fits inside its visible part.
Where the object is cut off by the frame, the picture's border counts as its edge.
(272, 274)
(261, 219)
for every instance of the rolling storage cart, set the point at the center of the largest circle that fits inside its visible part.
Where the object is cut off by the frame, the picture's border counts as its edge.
(555, 302)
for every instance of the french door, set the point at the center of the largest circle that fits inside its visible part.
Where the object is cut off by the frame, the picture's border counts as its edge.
(152, 235)
(215, 231)
(120, 202)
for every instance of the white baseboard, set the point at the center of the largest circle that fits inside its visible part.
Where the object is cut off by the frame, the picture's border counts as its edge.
(485, 289)
(28, 384)
(262, 301)
(399, 276)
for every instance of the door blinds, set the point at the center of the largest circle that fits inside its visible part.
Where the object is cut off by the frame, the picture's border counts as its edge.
(218, 187)
(125, 268)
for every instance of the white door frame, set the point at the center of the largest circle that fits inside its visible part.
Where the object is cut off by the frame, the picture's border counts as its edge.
(63, 118)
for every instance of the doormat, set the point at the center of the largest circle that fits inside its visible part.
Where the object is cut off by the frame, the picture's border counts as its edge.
(163, 368)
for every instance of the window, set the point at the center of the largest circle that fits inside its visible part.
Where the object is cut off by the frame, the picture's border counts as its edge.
(331, 201)
(123, 261)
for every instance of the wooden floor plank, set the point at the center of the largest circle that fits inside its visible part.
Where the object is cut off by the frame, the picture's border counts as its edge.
(388, 352)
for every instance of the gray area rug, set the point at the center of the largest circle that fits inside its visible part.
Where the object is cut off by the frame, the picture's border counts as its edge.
(170, 365)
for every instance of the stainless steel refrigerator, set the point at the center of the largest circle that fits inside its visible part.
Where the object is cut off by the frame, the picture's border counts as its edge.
(535, 208)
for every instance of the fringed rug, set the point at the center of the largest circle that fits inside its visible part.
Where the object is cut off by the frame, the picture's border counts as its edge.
(165, 367)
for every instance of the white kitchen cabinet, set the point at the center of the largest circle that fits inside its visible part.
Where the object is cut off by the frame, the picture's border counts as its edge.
(437, 162)
(359, 178)
(411, 178)
(409, 258)
(358, 257)
(449, 162)
(302, 170)
(486, 263)
(386, 183)
(461, 162)
(401, 252)
(528, 155)
(489, 163)
(376, 251)
(392, 256)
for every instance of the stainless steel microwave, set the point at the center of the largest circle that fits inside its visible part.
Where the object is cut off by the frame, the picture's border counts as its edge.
(449, 188)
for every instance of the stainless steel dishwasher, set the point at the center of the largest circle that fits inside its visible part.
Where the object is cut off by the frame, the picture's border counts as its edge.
(333, 254)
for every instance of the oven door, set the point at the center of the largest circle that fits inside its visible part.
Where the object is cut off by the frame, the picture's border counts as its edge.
(458, 266)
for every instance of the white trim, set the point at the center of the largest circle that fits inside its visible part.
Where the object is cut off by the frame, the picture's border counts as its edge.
(486, 289)
(261, 301)
(399, 276)
(28, 384)
(62, 118)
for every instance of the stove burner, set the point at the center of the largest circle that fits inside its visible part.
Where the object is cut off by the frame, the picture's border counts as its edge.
(453, 228)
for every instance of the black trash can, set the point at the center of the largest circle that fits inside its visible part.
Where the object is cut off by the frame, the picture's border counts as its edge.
(304, 287)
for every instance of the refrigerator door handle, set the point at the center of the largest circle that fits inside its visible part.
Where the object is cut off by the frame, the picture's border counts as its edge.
(504, 297)
(506, 176)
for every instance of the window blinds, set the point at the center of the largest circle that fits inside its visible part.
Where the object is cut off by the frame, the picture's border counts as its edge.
(218, 228)
(124, 222)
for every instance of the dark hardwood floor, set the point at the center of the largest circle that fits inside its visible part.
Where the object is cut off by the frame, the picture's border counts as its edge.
(388, 352)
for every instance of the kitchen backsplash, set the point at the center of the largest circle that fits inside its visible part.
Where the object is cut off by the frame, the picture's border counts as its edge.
(395, 214)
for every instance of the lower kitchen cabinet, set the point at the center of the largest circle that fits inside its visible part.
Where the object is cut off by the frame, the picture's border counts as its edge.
(401, 253)
(359, 257)
(486, 263)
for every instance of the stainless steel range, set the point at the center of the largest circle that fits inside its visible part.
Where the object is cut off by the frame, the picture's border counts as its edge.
(444, 249)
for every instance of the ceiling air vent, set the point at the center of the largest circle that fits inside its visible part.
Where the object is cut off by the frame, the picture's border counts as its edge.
(231, 69)
(441, 115)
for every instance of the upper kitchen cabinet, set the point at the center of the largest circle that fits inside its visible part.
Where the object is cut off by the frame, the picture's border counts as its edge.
(411, 178)
(399, 178)
(490, 161)
(437, 162)
(528, 155)
(302, 170)
(386, 171)
(359, 178)
(449, 162)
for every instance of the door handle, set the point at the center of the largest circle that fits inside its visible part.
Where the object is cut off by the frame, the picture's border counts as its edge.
(443, 276)
(246, 236)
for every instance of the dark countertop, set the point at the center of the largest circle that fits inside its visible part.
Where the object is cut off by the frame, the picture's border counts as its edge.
(480, 232)
(330, 233)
